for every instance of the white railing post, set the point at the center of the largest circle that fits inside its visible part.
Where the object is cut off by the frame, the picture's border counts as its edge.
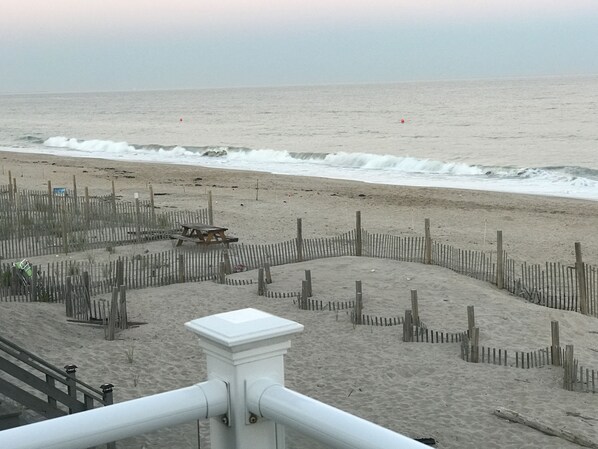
(241, 347)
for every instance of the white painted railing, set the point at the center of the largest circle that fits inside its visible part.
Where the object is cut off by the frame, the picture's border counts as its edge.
(326, 424)
(245, 399)
(122, 420)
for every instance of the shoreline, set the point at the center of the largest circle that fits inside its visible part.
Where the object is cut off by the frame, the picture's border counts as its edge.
(432, 183)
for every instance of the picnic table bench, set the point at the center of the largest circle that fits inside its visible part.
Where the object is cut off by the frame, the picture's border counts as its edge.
(203, 234)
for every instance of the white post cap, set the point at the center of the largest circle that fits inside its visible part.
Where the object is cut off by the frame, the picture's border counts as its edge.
(242, 327)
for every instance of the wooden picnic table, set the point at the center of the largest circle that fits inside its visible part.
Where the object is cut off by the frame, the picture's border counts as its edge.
(202, 234)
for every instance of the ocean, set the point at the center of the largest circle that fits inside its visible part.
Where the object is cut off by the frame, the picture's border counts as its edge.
(534, 136)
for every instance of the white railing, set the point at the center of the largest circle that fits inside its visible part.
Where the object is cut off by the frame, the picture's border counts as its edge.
(320, 421)
(122, 420)
(245, 398)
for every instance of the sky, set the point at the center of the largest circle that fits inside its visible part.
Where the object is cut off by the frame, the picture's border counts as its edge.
(117, 45)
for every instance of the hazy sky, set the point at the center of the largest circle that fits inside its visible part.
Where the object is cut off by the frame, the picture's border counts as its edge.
(90, 45)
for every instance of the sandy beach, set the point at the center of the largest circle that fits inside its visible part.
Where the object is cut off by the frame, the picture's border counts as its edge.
(417, 389)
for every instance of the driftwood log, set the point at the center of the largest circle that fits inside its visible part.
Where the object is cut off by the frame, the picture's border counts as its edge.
(545, 428)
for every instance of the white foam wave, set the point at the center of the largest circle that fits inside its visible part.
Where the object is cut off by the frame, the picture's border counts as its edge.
(365, 167)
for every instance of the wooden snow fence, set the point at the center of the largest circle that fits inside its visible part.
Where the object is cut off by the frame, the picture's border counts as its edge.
(35, 223)
(77, 298)
(556, 285)
(575, 376)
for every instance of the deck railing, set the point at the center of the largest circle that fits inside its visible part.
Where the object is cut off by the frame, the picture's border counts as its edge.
(245, 399)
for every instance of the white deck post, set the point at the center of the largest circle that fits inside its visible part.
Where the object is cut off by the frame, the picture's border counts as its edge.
(241, 347)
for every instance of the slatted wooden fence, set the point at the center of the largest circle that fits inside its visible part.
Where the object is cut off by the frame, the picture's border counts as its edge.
(552, 285)
(34, 223)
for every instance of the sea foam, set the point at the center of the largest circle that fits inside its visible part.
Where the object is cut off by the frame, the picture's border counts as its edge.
(387, 169)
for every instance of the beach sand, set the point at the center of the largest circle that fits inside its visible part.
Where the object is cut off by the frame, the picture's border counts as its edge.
(418, 389)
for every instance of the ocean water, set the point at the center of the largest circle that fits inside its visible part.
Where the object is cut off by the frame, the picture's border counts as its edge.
(537, 136)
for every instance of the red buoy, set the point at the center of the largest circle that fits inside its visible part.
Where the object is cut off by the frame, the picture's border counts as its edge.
(402, 120)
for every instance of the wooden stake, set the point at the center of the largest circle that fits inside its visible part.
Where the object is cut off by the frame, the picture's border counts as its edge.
(414, 307)
(500, 277)
(555, 349)
(210, 210)
(427, 243)
(299, 241)
(470, 320)
(358, 241)
(75, 199)
(581, 280)
(152, 205)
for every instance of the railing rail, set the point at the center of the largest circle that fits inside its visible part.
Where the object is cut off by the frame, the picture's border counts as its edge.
(322, 422)
(47, 368)
(123, 420)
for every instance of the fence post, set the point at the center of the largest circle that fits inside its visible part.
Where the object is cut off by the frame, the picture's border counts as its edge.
(582, 286)
(65, 238)
(358, 310)
(50, 203)
(137, 218)
(124, 324)
(308, 279)
(427, 242)
(86, 209)
(500, 276)
(10, 192)
(222, 273)
(210, 210)
(240, 354)
(555, 349)
(75, 199)
(68, 297)
(414, 307)
(108, 400)
(261, 284)
(120, 272)
(470, 320)
(267, 273)
(153, 210)
(228, 269)
(87, 293)
(15, 281)
(299, 241)
(569, 375)
(113, 198)
(408, 327)
(475, 345)
(358, 236)
(303, 302)
(71, 382)
(34, 279)
(181, 264)
(113, 314)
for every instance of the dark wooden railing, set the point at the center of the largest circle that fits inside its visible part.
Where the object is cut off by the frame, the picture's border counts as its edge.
(45, 388)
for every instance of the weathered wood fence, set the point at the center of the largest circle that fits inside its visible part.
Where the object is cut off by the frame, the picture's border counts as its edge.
(35, 223)
(567, 287)
(552, 285)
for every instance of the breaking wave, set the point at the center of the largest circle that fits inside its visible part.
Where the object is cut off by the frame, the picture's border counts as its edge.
(559, 181)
